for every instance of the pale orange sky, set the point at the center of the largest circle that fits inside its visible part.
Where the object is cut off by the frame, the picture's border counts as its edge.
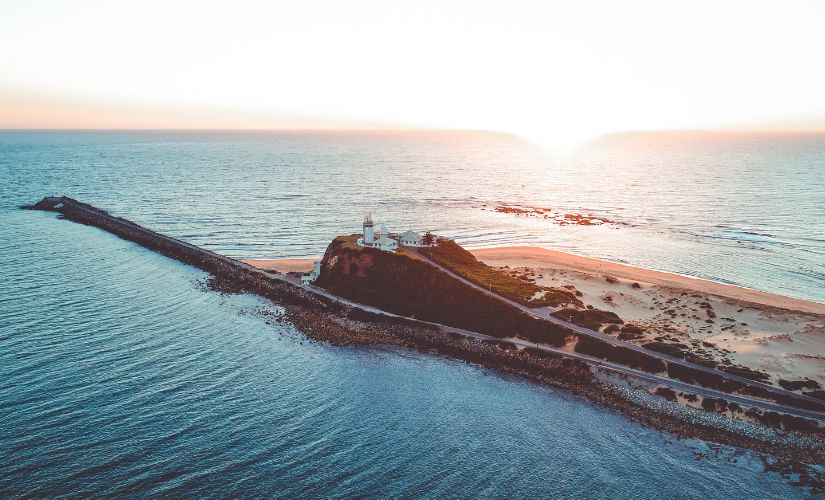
(551, 71)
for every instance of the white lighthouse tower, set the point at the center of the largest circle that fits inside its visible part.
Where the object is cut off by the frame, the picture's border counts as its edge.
(369, 231)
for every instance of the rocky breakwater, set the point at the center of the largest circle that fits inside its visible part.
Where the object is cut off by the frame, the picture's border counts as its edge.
(310, 312)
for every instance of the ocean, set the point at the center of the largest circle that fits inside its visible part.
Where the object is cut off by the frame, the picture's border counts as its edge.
(121, 375)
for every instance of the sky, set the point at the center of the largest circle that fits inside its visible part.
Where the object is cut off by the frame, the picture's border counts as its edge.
(554, 72)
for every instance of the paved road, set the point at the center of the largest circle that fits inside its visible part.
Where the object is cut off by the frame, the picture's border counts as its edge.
(544, 315)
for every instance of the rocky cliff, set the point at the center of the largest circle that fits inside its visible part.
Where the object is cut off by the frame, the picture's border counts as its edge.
(399, 283)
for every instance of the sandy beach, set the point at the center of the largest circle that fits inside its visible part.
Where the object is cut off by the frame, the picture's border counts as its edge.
(541, 257)
(781, 336)
(283, 265)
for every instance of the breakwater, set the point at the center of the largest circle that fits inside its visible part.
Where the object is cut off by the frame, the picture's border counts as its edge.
(83, 213)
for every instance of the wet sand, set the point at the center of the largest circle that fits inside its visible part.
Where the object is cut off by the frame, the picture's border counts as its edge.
(282, 265)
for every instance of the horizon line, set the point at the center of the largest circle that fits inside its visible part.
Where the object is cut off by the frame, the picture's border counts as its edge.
(812, 131)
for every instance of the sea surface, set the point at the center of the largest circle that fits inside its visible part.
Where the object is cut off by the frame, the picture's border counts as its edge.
(121, 375)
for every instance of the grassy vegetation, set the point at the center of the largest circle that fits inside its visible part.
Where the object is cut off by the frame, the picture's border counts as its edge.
(589, 318)
(450, 255)
(618, 354)
(667, 393)
(795, 385)
(746, 372)
(350, 242)
(675, 350)
(815, 394)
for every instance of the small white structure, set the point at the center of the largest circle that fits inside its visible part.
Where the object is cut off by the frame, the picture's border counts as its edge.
(306, 279)
(385, 242)
(411, 239)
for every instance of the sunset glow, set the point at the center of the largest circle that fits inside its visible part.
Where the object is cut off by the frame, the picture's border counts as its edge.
(428, 249)
(555, 73)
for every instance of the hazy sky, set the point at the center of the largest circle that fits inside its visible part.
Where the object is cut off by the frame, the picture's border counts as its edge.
(552, 71)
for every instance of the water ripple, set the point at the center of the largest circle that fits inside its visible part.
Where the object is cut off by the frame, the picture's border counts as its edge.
(120, 376)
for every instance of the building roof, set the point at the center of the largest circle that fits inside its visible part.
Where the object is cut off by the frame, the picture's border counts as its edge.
(410, 235)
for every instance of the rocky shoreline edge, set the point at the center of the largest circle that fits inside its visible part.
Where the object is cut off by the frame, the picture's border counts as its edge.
(327, 321)
(339, 325)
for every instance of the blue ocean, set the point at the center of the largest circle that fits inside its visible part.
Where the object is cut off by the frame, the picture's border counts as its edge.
(120, 374)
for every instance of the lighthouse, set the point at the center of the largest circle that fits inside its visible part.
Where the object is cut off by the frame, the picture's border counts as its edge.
(383, 239)
(369, 231)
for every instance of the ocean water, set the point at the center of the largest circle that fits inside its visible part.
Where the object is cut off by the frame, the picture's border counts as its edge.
(121, 375)
(742, 209)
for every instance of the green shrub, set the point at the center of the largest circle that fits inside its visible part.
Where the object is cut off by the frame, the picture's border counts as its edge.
(815, 394)
(795, 385)
(664, 348)
(618, 354)
(588, 318)
(667, 393)
(746, 372)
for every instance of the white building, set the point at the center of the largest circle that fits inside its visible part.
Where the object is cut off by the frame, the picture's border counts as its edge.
(306, 279)
(411, 239)
(386, 242)
(383, 239)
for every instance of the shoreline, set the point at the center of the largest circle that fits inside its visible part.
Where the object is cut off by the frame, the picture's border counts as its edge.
(538, 257)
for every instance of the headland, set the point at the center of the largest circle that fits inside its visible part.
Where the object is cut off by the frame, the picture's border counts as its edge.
(780, 336)
(407, 297)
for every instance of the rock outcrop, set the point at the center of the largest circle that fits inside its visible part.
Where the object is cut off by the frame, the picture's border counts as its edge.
(404, 285)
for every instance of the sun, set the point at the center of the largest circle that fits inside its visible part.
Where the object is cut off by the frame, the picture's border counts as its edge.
(559, 140)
